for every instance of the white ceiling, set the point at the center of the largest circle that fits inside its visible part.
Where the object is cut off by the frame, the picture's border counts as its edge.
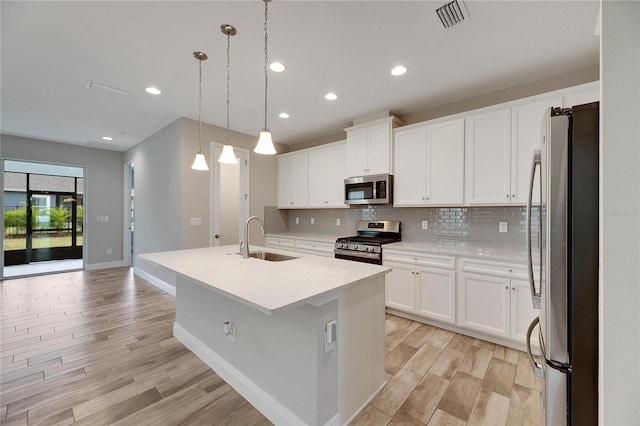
(51, 49)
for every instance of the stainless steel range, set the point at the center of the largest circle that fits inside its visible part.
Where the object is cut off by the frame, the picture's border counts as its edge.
(367, 245)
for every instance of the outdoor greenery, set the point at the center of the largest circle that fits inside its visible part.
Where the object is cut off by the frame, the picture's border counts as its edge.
(40, 242)
(15, 221)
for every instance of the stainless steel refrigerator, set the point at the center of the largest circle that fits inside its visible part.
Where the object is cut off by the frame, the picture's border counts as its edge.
(562, 231)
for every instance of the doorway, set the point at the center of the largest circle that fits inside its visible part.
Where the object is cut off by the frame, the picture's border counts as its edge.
(230, 197)
(129, 213)
(43, 217)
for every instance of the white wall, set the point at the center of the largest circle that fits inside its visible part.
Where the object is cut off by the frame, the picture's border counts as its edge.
(104, 189)
(620, 218)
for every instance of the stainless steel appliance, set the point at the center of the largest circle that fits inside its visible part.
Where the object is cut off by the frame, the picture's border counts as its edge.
(373, 189)
(563, 264)
(366, 246)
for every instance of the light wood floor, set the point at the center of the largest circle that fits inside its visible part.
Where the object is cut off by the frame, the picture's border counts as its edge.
(96, 348)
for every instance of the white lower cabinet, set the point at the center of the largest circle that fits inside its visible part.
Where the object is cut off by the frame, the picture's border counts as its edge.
(494, 297)
(421, 284)
(319, 248)
(287, 244)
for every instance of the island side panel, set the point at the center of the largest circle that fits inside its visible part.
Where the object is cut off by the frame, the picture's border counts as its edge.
(282, 355)
(361, 346)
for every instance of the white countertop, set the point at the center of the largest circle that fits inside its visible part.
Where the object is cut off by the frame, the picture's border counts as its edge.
(264, 285)
(488, 253)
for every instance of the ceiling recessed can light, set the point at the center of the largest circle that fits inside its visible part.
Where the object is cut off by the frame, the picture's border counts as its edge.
(107, 138)
(283, 115)
(331, 96)
(277, 67)
(153, 90)
(399, 70)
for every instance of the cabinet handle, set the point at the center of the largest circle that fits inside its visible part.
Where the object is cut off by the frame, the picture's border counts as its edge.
(506, 287)
(427, 198)
(513, 288)
(508, 196)
(513, 195)
(510, 270)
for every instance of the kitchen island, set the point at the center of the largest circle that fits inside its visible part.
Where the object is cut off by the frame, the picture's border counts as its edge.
(266, 328)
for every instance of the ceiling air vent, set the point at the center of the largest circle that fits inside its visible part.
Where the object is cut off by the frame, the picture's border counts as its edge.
(452, 13)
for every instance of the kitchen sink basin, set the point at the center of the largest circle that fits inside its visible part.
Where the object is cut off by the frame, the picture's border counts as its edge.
(271, 257)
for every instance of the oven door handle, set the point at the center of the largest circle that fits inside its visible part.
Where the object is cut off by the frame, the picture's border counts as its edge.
(354, 253)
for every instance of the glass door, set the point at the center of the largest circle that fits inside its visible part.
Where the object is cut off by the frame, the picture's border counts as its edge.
(43, 217)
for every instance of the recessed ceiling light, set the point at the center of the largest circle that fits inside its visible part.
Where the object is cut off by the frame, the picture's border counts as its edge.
(277, 67)
(107, 138)
(153, 90)
(399, 70)
(283, 115)
(331, 96)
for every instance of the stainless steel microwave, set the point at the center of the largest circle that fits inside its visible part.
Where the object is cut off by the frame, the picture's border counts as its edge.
(374, 189)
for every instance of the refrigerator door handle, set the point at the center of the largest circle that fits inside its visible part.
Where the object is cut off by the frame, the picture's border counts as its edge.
(535, 295)
(538, 368)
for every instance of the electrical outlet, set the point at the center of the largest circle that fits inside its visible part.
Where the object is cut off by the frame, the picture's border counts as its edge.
(109, 251)
(297, 221)
(313, 221)
(425, 224)
(337, 222)
(229, 330)
(502, 226)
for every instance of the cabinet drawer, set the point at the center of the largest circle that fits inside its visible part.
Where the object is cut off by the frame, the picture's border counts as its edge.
(419, 259)
(280, 243)
(314, 246)
(500, 269)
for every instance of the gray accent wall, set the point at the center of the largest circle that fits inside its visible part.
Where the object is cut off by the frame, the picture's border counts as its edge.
(104, 189)
(168, 192)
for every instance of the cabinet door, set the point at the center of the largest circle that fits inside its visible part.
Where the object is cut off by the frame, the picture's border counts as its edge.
(357, 147)
(410, 157)
(522, 311)
(487, 157)
(445, 163)
(526, 134)
(400, 288)
(292, 181)
(379, 148)
(484, 303)
(334, 175)
(318, 161)
(436, 294)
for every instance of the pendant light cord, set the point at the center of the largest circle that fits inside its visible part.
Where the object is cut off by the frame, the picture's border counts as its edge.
(266, 60)
(228, 82)
(199, 105)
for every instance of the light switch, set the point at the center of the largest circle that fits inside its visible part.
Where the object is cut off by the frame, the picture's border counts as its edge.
(104, 218)
(195, 221)
(337, 222)
(425, 224)
(330, 334)
(502, 226)
(313, 220)
(297, 221)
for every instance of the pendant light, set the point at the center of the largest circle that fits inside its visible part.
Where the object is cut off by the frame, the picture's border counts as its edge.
(227, 156)
(200, 163)
(265, 143)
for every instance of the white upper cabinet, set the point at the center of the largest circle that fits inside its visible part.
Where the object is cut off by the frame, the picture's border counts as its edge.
(369, 147)
(429, 164)
(526, 134)
(582, 94)
(327, 171)
(488, 157)
(292, 181)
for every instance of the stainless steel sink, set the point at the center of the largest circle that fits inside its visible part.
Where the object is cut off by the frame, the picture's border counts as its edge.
(271, 257)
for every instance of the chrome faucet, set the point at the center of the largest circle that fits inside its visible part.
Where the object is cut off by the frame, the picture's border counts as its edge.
(245, 247)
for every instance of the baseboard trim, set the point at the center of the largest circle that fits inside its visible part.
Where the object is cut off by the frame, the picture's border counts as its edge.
(267, 405)
(106, 265)
(153, 280)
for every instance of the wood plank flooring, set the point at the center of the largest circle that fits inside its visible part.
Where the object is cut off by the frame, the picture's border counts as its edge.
(96, 348)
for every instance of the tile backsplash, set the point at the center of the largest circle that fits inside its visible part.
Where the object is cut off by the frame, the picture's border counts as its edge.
(451, 227)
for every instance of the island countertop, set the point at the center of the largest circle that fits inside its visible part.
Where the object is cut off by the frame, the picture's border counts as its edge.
(264, 285)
